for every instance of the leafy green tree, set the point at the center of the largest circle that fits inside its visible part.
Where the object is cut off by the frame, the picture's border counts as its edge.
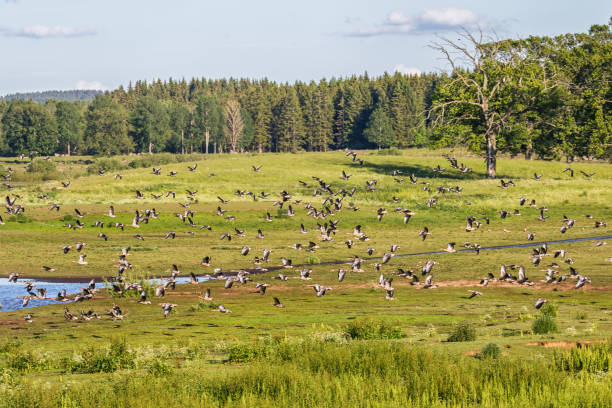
(585, 60)
(69, 126)
(208, 122)
(149, 124)
(106, 131)
(379, 130)
(502, 82)
(28, 127)
(179, 119)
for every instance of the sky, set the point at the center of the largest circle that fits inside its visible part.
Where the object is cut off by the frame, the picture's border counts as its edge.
(101, 44)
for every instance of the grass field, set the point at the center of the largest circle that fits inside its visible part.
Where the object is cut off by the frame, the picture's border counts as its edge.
(351, 347)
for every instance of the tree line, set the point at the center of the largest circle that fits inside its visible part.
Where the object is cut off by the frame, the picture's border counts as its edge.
(543, 96)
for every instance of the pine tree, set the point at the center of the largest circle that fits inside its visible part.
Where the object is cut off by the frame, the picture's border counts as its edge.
(290, 125)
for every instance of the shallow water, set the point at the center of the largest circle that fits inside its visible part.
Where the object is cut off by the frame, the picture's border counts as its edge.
(11, 293)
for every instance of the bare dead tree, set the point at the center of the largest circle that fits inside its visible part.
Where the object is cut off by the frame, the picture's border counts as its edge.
(235, 123)
(486, 74)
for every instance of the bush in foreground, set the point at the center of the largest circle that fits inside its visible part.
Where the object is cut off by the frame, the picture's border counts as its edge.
(370, 329)
(463, 332)
(491, 351)
(545, 324)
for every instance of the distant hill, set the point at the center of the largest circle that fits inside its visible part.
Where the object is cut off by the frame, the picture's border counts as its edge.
(72, 95)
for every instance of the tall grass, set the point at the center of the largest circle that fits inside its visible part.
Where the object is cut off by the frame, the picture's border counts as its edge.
(372, 374)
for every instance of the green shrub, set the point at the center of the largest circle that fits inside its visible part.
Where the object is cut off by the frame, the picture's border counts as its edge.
(463, 332)
(67, 218)
(491, 350)
(20, 218)
(24, 361)
(549, 309)
(106, 360)
(9, 346)
(203, 306)
(370, 329)
(313, 260)
(244, 353)
(544, 324)
(39, 165)
(160, 368)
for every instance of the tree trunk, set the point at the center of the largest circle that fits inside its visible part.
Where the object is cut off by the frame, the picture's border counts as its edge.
(150, 148)
(529, 151)
(491, 156)
(207, 136)
(259, 149)
(215, 147)
(182, 142)
(68, 148)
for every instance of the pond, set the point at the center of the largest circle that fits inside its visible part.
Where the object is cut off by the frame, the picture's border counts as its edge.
(11, 294)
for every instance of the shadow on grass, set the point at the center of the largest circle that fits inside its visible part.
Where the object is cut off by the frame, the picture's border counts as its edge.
(421, 171)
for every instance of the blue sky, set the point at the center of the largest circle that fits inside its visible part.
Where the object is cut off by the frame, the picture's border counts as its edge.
(89, 44)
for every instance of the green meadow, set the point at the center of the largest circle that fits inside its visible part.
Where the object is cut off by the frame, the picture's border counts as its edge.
(350, 347)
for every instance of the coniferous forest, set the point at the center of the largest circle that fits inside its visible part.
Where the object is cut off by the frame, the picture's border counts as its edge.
(545, 97)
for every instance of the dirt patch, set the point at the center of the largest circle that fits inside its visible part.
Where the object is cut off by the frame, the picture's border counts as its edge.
(564, 344)
(472, 352)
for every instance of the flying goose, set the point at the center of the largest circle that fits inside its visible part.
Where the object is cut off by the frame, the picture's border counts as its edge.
(540, 302)
(389, 294)
(428, 283)
(450, 247)
(116, 312)
(222, 309)
(320, 290)
(167, 308)
(424, 233)
(474, 294)
(278, 303)
(206, 295)
(305, 274)
(82, 260)
(261, 288)
(587, 175)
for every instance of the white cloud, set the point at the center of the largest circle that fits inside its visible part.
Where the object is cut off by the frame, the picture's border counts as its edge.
(402, 69)
(42, 31)
(90, 85)
(428, 21)
(450, 17)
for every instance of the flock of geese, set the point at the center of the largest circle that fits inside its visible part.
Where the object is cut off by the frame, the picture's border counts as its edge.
(332, 203)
